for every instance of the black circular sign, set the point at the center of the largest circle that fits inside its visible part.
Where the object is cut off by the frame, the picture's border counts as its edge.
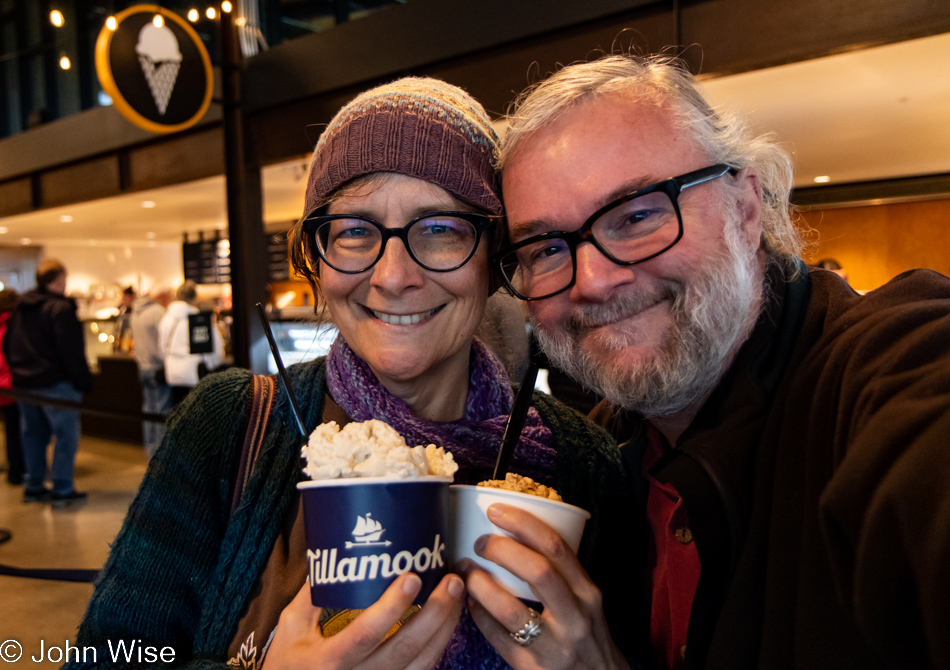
(157, 72)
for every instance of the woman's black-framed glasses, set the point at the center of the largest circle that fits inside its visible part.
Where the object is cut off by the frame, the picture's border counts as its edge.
(438, 241)
(630, 230)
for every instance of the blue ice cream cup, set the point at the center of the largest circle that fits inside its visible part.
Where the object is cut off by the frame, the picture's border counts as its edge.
(363, 532)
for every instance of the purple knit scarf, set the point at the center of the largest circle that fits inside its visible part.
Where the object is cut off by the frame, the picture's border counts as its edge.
(473, 439)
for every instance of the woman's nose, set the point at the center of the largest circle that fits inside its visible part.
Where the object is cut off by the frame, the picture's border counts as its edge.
(598, 278)
(395, 271)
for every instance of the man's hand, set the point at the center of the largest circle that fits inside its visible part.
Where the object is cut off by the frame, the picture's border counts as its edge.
(574, 631)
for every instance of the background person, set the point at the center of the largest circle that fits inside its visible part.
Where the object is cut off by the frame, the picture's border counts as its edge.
(46, 352)
(785, 436)
(834, 266)
(11, 411)
(156, 394)
(410, 163)
(183, 368)
(123, 343)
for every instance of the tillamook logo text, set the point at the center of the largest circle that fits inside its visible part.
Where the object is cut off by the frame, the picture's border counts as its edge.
(325, 569)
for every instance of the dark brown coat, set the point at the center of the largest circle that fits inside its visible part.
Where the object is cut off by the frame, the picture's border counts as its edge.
(817, 479)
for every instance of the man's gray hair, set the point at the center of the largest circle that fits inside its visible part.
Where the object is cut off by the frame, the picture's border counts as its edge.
(664, 80)
(187, 292)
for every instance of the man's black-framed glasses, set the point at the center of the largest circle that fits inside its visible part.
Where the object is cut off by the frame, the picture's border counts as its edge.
(438, 241)
(630, 230)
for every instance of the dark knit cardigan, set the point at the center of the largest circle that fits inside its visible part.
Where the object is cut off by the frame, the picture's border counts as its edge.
(180, 570)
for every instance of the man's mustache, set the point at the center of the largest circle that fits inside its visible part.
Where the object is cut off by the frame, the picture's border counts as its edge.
(623, 306)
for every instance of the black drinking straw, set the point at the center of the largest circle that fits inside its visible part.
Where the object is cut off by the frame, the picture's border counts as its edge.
(519, 413)
(282, 373)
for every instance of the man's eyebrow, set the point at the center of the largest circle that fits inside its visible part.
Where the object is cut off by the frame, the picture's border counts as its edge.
(627, 188)
(525, 229)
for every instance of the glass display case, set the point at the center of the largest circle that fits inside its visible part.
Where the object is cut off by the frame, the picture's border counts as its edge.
(100, 340)
(299, 338)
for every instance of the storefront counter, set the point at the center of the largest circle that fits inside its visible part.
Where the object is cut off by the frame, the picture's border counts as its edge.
(115, 387)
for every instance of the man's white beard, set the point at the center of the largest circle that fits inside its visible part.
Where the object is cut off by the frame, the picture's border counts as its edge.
(712, 315)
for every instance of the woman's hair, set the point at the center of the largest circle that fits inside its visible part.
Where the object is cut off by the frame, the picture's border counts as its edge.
(418, 127)
(665, 81)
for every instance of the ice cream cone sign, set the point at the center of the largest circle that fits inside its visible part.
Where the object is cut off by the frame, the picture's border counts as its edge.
(157, 72)
(160, 60)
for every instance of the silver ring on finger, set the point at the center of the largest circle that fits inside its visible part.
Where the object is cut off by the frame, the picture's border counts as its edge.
(531, 630)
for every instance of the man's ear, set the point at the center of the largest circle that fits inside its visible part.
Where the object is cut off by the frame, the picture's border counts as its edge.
(749, 206)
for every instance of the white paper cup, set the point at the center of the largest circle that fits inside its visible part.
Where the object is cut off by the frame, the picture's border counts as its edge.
(468, 520)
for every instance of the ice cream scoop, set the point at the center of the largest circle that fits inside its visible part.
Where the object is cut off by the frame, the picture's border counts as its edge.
(370, 449)
(519, 484)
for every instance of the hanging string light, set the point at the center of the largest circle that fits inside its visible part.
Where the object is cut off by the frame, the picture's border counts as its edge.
(211, 13)
(192, 15)
(111, 23)
(56, 18)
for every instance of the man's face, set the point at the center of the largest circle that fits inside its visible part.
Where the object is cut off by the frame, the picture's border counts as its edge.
(652, 337)
(58, 285)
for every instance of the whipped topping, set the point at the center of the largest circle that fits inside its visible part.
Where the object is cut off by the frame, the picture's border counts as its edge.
(370, 449)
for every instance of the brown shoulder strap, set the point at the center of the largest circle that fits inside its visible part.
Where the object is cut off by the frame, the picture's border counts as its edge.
(262, 401)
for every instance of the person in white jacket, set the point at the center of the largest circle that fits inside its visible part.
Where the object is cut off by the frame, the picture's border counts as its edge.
(156, 395)
(175, 337)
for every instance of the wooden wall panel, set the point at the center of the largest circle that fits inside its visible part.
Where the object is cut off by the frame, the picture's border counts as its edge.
(88, 180)
(180, 158)
(16, 196)
(876, 243)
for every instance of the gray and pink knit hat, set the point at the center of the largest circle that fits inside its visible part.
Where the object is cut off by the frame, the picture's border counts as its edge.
(420, 127)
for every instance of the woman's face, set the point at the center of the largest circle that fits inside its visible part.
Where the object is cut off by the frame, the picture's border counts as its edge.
(442, 308)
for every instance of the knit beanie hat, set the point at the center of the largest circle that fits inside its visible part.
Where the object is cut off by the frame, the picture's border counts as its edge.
(420, 127)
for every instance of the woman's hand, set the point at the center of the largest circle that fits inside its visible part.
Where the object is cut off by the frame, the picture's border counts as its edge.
(299, 643)
(574, 631)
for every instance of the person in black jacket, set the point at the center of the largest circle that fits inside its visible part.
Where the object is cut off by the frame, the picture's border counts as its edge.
(45, 350)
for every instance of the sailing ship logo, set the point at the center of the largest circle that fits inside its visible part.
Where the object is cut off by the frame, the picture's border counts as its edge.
(367, 532)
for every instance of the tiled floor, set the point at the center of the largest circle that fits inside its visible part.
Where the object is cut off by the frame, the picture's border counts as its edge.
(76, 537)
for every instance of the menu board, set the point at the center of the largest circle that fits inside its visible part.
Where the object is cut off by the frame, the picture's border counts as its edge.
(278, 268)
(209, 261)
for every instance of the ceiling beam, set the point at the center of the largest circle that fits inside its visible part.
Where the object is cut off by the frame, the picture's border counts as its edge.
(879, 192)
